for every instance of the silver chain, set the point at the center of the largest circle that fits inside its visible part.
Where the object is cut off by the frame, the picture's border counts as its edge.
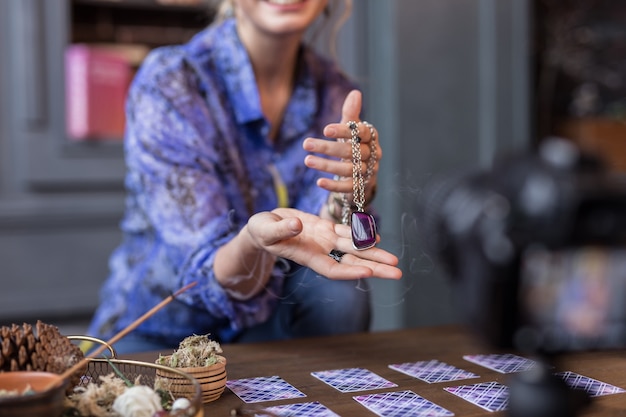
(345, 209)
(371, 163)
(358, 184)
(358, 181)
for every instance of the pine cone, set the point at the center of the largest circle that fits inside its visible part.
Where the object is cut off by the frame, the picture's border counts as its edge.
(22, 349)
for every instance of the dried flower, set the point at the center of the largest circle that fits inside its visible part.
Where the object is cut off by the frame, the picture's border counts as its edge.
(181, 404)
(96, 399)
(138, 401)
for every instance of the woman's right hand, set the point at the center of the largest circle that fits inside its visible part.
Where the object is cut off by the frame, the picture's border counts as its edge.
(335, 156)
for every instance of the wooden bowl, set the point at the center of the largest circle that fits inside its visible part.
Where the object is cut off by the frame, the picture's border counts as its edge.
(212, 380)
(33, 402)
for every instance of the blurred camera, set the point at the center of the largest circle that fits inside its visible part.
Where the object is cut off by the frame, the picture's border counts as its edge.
(535, 247)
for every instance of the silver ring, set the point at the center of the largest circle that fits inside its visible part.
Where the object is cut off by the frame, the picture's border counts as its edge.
(336, 254)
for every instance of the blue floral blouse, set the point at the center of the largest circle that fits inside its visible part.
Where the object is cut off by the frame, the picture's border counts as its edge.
(199, 163)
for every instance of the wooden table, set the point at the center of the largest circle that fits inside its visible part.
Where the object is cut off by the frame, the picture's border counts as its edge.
(294, 360)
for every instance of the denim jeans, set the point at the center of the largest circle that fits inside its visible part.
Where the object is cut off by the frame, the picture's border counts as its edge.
(311, 305)
(314, 305)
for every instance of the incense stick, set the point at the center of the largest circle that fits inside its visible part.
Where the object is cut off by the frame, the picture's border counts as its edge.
(118, 336)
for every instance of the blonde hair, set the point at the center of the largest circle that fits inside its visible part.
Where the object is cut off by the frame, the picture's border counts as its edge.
(341, 20)
(224, 10)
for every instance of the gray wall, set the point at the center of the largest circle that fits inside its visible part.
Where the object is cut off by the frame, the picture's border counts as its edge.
(60, 202)
(445, 83)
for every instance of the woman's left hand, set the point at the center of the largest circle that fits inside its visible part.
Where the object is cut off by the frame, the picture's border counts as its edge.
(308, 240)
(338, 154)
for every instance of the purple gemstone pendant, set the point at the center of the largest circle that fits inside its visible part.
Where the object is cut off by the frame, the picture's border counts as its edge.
(363, 230)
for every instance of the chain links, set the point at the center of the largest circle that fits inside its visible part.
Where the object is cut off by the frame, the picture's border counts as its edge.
(358, 184)
(358, 180)
(371, 163)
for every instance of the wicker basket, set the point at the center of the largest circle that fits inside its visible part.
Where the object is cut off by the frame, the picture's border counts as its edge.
(148, 372)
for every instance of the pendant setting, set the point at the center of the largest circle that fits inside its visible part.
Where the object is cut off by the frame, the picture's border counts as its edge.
(362, 224)
(363, 228)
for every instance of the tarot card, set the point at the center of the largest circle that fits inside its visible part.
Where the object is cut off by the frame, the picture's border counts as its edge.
(352, 379)
(492, 396)
(432, 371)
(401, 404)
(505, 363)
(593, 387)
(312, 409)
(270, 388)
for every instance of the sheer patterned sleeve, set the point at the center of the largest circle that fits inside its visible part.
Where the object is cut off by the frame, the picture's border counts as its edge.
(185, 181)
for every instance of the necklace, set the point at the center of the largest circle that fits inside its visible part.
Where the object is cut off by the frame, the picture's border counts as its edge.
(362, 224)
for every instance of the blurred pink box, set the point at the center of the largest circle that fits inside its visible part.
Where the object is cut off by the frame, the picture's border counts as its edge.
(96, 83)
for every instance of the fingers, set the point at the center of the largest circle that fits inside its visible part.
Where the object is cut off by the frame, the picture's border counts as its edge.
(353, 266)
(340, 163)
(376, 261)
(382, 271)
(340, 185)
(341, 150)
(351, 109)
(268, 228)
(370, 256)
(332, 166)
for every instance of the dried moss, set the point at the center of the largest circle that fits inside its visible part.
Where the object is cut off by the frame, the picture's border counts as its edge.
(194, 351)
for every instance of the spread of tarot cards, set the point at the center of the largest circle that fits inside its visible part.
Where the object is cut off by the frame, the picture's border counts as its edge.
(396, 402)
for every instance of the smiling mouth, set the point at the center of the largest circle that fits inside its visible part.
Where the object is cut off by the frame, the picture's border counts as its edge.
(284, 2)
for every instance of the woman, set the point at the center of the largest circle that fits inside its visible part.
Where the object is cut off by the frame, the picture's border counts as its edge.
(228, 187)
